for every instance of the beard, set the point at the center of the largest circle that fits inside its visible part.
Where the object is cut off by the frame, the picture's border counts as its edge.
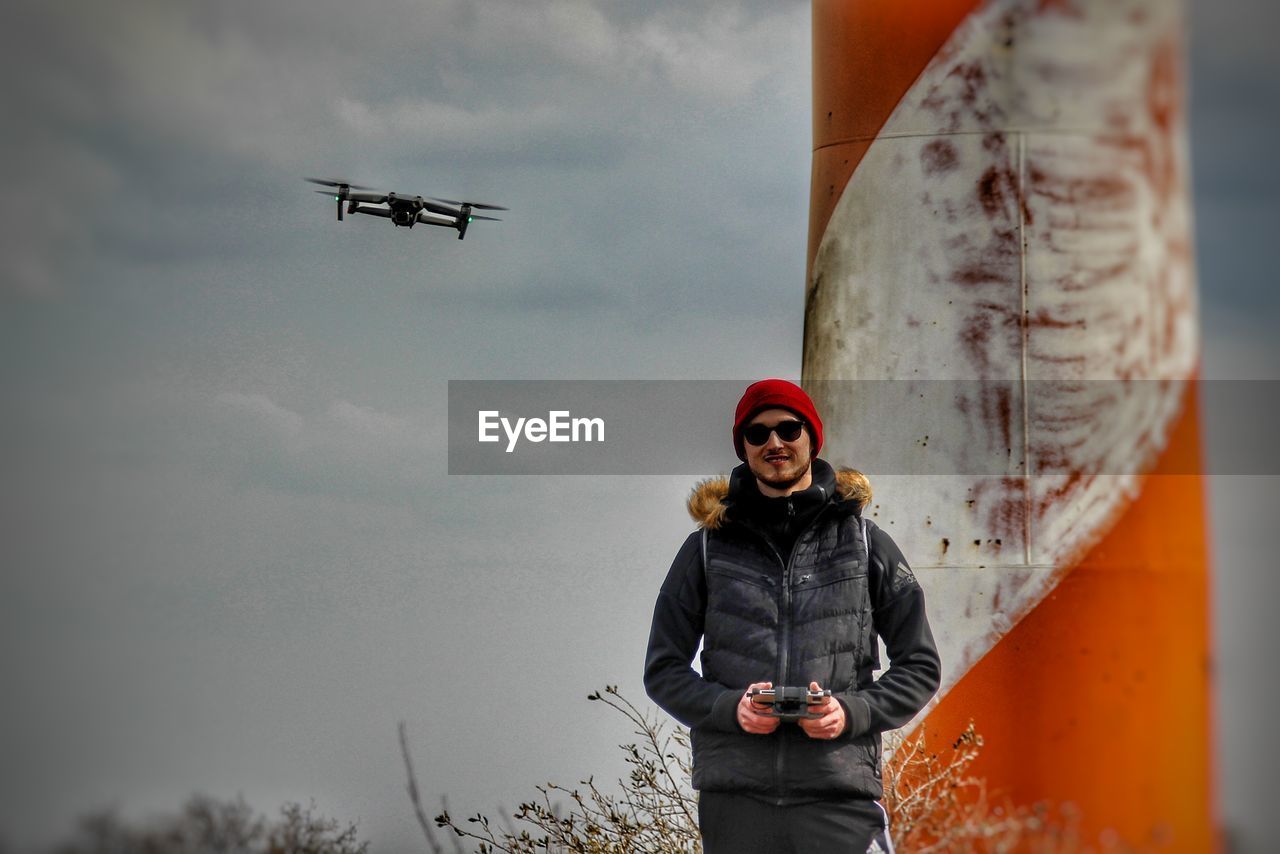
(785, 477)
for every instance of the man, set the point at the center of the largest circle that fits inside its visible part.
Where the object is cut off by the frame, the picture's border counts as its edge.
(781, 588)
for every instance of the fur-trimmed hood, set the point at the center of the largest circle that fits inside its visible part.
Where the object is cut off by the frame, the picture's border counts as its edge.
(708, 500)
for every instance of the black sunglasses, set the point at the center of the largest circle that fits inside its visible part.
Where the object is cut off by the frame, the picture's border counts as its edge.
(758, 434)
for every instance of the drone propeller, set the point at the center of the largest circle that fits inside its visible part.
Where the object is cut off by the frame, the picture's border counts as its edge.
(480, 205)
(336, 182)
(337, 199)
(490, 218)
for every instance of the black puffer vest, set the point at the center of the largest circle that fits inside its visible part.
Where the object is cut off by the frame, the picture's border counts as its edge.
(790, 619)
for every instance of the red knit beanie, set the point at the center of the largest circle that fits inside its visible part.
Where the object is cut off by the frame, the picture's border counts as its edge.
(768, 394)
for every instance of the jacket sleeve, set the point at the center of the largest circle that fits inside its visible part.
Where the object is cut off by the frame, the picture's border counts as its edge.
(669, 679)
(898, 614)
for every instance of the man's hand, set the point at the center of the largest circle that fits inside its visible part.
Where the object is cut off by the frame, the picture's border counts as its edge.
(831, 724)
(753, 717)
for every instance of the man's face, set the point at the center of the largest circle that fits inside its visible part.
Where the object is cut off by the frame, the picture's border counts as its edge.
(780, 467)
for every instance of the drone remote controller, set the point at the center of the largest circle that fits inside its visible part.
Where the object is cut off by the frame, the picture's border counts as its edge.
(790, 704)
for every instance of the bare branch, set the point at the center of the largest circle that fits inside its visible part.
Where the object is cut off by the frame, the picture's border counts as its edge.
(412, 788)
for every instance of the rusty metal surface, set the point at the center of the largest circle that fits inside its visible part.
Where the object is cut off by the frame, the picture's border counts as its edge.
(1021, 215)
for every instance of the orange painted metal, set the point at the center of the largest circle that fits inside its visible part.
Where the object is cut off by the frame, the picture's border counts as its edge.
(1100, 696)
(854, 44)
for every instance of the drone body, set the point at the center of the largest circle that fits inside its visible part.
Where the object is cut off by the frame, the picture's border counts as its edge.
(403, 209)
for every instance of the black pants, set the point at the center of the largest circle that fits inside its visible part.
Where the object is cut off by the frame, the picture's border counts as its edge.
(737, 823)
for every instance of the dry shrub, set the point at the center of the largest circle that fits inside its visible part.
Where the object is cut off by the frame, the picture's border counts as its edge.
(934, 802)
(207, 825)
(654, 811)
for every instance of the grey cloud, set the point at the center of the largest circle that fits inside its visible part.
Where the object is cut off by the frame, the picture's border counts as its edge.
(200, 117)
(1235, 117)
(344, 449)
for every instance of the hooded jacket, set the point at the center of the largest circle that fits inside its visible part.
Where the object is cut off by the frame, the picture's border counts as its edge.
(812, 614)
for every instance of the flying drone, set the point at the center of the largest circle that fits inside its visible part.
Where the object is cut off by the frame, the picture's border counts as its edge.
(404, 209)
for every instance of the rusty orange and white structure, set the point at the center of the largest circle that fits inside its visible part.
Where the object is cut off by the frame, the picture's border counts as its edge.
(1000, 193)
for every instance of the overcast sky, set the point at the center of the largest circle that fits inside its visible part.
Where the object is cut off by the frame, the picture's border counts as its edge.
(233, 558)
